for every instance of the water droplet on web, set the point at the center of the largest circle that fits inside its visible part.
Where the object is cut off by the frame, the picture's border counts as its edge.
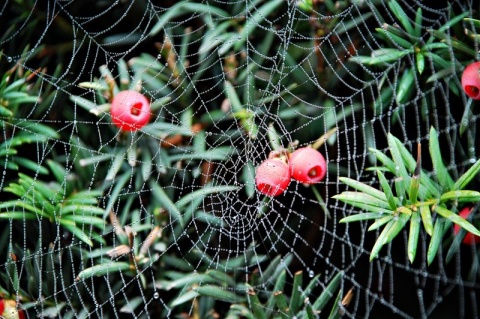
(156, 295)
(9, 59)
(311, 274)
(473, 160)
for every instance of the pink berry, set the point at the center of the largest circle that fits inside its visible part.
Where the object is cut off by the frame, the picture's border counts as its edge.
(130, 110)
(307, 165)
(273, 177)
(469, 239)
(471, 80)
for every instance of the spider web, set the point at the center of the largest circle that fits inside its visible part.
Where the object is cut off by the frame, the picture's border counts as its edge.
(229, 82)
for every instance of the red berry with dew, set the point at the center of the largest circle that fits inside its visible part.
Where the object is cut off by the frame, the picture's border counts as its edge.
(471, 80)
(130, 110)
(307, 165)
(273, 177)
(469, 239)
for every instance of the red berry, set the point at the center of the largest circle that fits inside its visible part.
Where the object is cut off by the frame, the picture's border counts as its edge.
(273, 177)
(130, 110)
(307, 165)
(469, 239)
(471, 80)
(2, 307)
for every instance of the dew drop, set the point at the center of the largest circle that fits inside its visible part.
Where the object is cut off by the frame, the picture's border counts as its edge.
(9, 59)
(311, 274)
(472, 160)
(156, 295)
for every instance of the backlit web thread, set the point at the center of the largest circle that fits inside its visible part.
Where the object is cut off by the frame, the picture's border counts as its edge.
(252, 225)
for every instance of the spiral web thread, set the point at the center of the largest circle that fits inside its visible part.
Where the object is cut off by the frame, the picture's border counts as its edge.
(321, 89)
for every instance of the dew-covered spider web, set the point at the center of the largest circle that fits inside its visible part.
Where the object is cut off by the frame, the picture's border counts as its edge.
(166, 221)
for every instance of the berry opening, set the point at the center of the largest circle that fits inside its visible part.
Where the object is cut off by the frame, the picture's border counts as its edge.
(315, 171)
(472, 90)
(136, 108)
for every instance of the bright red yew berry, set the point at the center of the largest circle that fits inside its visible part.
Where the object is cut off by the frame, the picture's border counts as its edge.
(469, 239)
(130, 110)
(8, 310)
(307, 165)
(471, 80)
(273, 177)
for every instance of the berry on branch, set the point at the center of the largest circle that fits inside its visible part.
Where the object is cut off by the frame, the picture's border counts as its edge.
(273, 177)
(469, 239)
(307, 165)
(471, 80)
(130, 110)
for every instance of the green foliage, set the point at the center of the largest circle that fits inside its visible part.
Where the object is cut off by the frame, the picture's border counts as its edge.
(413, 61)
(56, 202)
(19, 91)
(261, 297)
(419, 198)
